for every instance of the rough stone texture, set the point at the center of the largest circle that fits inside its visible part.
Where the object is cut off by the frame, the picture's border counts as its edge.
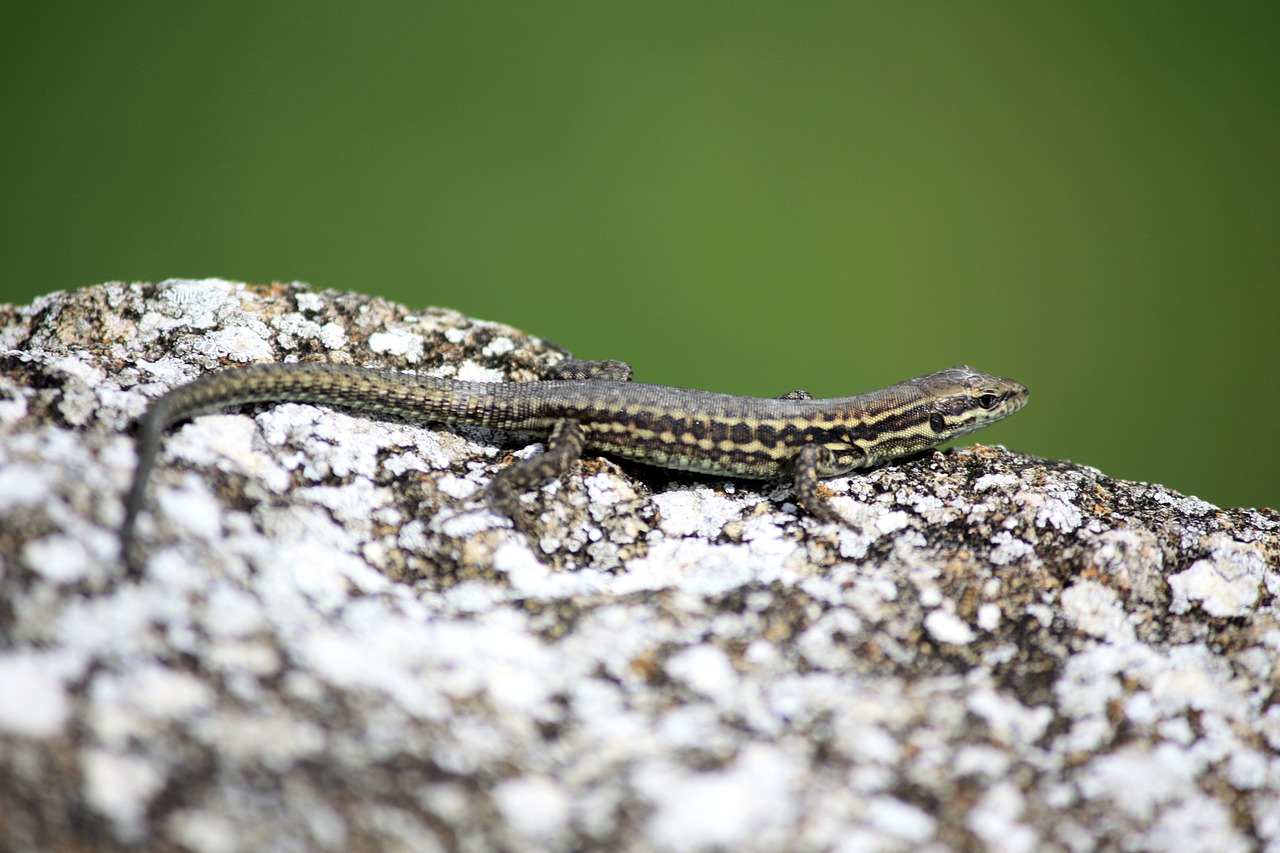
(335, 647)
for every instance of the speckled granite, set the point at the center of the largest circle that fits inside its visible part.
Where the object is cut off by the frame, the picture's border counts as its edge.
(335, 647)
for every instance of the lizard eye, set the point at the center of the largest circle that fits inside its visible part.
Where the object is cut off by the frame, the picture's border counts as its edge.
(988, 401)
(937, 422)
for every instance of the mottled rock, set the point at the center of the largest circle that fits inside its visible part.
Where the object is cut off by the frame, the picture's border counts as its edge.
(335, 646)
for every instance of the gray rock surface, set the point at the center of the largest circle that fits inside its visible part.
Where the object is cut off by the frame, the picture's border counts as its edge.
(335, 647)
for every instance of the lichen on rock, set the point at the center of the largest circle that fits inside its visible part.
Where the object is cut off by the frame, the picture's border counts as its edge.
(335, 646)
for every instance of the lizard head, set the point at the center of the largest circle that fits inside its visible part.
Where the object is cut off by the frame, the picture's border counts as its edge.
(927, 411)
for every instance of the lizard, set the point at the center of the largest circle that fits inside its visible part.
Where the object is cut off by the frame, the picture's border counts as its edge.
(594, 406)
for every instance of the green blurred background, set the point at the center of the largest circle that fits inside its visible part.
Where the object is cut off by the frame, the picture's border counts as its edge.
(745, 197)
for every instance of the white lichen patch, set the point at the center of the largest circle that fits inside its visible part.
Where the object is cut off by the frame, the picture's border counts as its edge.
(1138, 780)
(206, 831)
(194, 304)
(1009, 720)
(948, 628)
(459, 488)
(193, 508)
(60, 559)
(828, 642)
(167, 370)
(1009, 549)
(695, 511)
(275, 742)
(1226, 584)
(705, 670)
(240, 343)
(402, 344)
(1096, 610)
(606, 490)
(988, 482)
(472, 372)
(891, 522)
(120, 787)
(998, 819)
(534, 808)
(498, 346)
(294, 329)
(33, 698)
(1060, 514)
(228, 442)
(352, 503)
(748, 803)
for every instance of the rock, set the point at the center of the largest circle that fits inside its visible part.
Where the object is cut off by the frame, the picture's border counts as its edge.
(334, 647)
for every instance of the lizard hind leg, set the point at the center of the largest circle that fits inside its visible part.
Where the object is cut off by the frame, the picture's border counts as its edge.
(564, 447)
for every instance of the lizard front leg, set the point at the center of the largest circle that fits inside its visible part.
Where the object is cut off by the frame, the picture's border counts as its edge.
(809, 461)
(564, 447)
